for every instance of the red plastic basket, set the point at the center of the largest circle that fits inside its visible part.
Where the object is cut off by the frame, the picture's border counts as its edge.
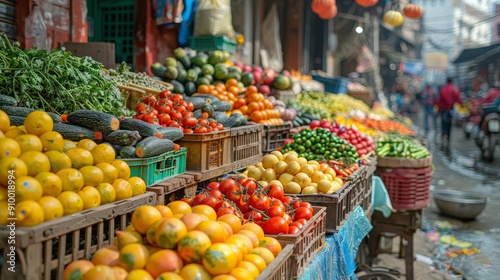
(409, 189)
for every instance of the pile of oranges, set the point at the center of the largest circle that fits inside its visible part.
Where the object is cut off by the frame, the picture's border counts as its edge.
(223, 91)
(52, 177)
(178, 242)
(256, 107)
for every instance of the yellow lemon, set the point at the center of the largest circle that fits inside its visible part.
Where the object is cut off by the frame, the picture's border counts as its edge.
(72, 179)
(27, 188)
(36, 162)
(123, 189)
(9, 148)
(72, 203)
(13, 167)
(4, 121)
(109, 171)
(138, 185)
(68, 145)
(86, 144)
(50, 182)
(92, 175)
(52, 208)
(107, 192)
(122, 168)
(268, 161)
(38, 122)
(13, 132)
(58, 161)
(29, 142)
(293, 167)
(80, 158)
(103, 153)
(90, 196)
(29, 213)
(52, 141)
(280, 167)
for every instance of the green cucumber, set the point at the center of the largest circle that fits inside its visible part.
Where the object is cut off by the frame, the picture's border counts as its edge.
(123, 137)
(171, 133)
(73, 132)
(24, 112)
(153, 146)
(97, 121)
(145, 129)
(7, 100)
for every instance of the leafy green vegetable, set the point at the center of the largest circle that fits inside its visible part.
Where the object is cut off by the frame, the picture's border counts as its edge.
(56, 81)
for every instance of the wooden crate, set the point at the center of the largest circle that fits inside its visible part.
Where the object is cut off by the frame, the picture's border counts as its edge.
(44, 250)
(178, 186)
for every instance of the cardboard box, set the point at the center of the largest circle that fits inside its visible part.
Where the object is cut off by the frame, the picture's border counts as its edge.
(99, 51)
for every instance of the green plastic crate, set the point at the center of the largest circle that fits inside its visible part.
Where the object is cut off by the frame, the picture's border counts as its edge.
(212, 43)
(156, 169)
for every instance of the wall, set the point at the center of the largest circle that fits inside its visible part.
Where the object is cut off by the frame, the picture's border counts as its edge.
(496, 25)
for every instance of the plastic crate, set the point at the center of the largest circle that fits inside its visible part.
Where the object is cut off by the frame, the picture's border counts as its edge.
(307, 242)
(408, 188)
(283, 95)
(332, 84)
(245, 145)
(280, 267)
(42, 251)
(209, 154)
(274, 136)
(342, 202)
(156, 169)
(212, 43)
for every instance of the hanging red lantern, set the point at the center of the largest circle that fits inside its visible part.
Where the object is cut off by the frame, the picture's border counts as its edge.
(330, 13)
(367, 3)
(322, 6)
(412, 11)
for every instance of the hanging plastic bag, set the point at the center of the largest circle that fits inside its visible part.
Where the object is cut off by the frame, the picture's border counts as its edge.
(213, 17)
(35, 28)
(271, 53)
(168, 12)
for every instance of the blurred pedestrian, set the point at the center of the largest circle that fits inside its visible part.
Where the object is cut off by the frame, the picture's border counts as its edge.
(449, 96)
(428, 101)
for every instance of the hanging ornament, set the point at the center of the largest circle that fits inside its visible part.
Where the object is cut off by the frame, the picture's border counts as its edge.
(322, 6)
(330, 13)
(367, 3)
(412, 11)
(393, 18)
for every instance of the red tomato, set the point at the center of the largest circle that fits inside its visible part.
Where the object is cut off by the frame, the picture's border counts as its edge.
(187, 131)
(200, 129)
(276, 225)
(165, 94)
(225, 184)
(180, 108)
(225, 210)
(199, 198)
(175, 115)
(189, 122)
(259, 202)
(303, 213)
(189, 106)
(210, 201)
(203, 122)
(165, 119)
(220, 126)
(275, 191)
(288, 218)
(302, 221)
(212, 124)
(253, 215)
(287, 200)
(249, 184)
(215, 193)
(234, 193)
(188, 200)
(307, 205)
(164, 109)
(242, 203)
(177, 98)
(297, 224)
(213, 186)
(223, 204)
(275, 211)
(293, 229)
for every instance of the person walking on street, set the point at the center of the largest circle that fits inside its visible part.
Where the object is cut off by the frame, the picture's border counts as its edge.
(429, 100)
(449, 96)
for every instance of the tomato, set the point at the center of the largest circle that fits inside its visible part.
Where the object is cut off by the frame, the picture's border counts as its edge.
(187, 131)
(187, 114)
(275, 211)
(213, 186)
(188, 200)
(222, 204)
(288, 218)
(175, 115)
(215, 193)
(203, 122)
(210, 201)
(242, 203)
(296, 203)
(249, 184)
(177, 98)
(225, 210)
(199, 198)
(164, 109)
(220, 126)
(200, 129)
(303, 213)
(165, 119)
(275, 191)
(253, 216)
(189, 122)
(225, 184)
(287, 200)
(293, 229)
(276, 225)
(180, 109)
(259, 202)
(234, 193)
(165, 94)
(302, 221)
(307, 205)
(205, 115)
(297, 224)
(189, 106)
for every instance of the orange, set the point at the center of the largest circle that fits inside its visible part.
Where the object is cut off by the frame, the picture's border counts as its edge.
(257, 260)
(251, 235)
(28, 213)
(90, 196)
(133, 256)
(205, 210)
(109, 171)
(107, 192)
(36, 162)
(250, 267)
(144, 216)
(254, 228)
(72, 179)
(4, 121)
(241, 273)
(179, 207)
(120, 272)
(124, 238)
(101, 272)
(13, 132)
(138, 185)
(52, 208)
(107, 255)
(237, 251)
(151, 233)
(123, 189)
(77, 269)
(224, 277)
(265, 253)
(72, 203)
(68, 145)
(86, 144)
(29, 142)
(11, 167)
(214, 230)
(169, 232)
(92, 176)
(191, 220)
(80, 158)
(50, 182)
(164, 211)
(194, 271)
(52, 141)
(232, 220)
(27, 188)
(219, 259)
(164, 261)
(139, 274)
(122, 168)
(243, 242)
(227, 228)
(169, 276)
(193, 245)
(103, 153)
(58, 161)
(9, 148)
(38, 122)
(270, 243)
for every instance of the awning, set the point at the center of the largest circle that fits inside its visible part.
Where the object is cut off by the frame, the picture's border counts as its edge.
(479, 54)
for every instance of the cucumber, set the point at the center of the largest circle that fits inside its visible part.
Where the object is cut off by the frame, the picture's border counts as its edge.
(182, 57)
(207, 108)
(97, 121)
(24, 112)
(206, 96)
(221, 106)
(311, 117)
(7, 100)
(73, 132)
(158, 69)
(171, 73)
(234, 120)
(153, 146)
(16, 120)
(197, 113)
(178, 87)
(171, 133)
(181, 77)
(197, 101)
(220, 117)
(128, 152)
(117, 149)
(200, 59)
(191, 75)
(145, 129)
(123, 137)
(190, 88)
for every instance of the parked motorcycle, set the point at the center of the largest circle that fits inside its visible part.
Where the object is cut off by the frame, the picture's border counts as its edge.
(470, 123)
(489, 135)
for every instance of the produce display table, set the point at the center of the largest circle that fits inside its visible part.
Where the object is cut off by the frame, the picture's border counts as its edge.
(337, 258)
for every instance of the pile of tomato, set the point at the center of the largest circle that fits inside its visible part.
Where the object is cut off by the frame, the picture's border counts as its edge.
(171, 110)
(268, 206)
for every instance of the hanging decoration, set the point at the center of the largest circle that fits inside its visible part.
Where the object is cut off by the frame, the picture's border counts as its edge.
(367, 3)
(330, 13)
(393, 18)
(412, 11)
(321, 6)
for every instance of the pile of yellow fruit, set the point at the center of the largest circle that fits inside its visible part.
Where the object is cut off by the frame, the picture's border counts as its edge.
(180, 242)
(48, 177)
(295, 174)
(349, 122)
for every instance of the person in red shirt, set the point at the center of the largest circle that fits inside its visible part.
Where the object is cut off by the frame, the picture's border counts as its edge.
(449, 95)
